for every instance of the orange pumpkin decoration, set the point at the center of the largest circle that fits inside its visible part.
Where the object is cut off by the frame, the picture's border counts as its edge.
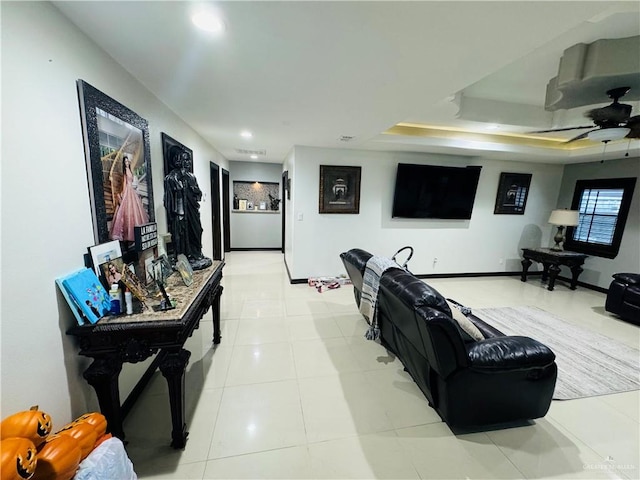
(18, 459)
(84, 433)
(32, 424)
(95, 419)
(58, 458)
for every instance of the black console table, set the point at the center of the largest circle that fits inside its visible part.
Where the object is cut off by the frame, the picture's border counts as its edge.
(133, 338)
(551, 261)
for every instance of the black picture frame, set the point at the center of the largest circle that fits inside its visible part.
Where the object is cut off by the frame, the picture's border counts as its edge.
(170, 146)
(513, 191)
(105, 123)
(339, 189)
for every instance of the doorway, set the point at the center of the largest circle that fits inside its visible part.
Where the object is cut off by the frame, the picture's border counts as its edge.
(285, 192)
(226, 221)
(214, 171)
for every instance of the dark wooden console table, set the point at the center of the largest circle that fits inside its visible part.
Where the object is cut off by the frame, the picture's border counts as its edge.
(133, 338)
(551, 261)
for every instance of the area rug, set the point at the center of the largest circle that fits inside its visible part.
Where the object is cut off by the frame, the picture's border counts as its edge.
(589, 364)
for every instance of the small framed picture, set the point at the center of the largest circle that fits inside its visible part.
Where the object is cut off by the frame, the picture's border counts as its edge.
(242, 204)
(186, 271)
(249, 205)
(112, 271)
(513, 190)
(103, 253)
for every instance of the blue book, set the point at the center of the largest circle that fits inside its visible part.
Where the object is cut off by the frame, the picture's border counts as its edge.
(88, 294)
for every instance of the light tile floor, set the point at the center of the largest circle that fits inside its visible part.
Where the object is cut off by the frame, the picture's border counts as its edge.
(295, 391)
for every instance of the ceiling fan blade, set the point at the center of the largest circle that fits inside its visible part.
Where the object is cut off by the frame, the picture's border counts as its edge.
(581, 136)
(634, 124)
(562, 129)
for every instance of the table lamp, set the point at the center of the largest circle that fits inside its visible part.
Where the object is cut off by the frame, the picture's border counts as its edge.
(562, 218)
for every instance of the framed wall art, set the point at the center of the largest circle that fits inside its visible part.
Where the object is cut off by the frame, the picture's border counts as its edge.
(171, 147)
(339, 189)
(118, 160)
(513, 190)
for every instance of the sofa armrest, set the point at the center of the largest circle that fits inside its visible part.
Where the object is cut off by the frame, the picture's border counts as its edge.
(628, 278)
(509, 353)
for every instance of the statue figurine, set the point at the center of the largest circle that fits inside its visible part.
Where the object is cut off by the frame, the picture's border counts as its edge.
(274, 202)
(182, 201)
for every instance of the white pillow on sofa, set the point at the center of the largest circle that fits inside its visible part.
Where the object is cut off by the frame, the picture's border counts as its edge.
(464, 323)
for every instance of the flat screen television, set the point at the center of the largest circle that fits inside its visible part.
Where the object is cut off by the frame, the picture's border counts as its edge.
(435, 191)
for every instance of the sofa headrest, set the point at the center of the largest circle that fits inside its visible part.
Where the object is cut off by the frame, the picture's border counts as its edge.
(356, 257)
(414, 292)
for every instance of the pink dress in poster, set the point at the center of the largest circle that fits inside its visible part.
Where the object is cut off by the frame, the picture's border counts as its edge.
(130, 212)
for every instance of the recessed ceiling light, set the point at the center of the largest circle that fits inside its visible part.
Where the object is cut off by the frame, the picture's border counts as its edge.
(253, 157)
(208, 21)
(246, 134)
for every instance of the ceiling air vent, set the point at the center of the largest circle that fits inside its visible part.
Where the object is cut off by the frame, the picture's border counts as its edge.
(346, 138)
(244, 151)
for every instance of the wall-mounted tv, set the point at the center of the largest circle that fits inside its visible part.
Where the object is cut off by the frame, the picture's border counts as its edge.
(435, 191)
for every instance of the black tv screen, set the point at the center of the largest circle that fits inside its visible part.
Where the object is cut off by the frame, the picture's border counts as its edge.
(435, 191)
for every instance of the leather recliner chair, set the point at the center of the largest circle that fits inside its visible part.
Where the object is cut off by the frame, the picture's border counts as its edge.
(623, 297)
(471, 384)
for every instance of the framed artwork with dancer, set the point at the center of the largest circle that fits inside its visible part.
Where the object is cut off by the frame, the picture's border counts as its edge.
(118, 159)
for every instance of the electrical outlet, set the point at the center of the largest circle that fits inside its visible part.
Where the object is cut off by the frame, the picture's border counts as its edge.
(435, 261)
(501, 261)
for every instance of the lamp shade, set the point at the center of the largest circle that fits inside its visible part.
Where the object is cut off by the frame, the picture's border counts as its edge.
(608, 134)
(568, 218)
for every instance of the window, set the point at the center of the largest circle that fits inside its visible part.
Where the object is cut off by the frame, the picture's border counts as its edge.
(603, 205)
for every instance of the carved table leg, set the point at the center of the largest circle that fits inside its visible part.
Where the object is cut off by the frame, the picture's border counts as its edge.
(575, 273)
(545, 272)
(102, 375)
(554, 270)
(215, 310)
(526, 263)
(173, 367)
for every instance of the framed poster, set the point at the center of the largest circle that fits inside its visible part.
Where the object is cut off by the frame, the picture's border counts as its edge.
(339, 189)
(118, 159)
(170, 148)
(513, 190)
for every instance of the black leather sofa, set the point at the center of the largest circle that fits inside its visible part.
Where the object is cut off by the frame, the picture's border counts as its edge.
(471, 384)
(623, 297)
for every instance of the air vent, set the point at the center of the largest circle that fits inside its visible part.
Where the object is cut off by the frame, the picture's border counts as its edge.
(346, 138)
(244, 151)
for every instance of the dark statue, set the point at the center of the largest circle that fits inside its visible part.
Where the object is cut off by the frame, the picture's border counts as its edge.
(182, 201)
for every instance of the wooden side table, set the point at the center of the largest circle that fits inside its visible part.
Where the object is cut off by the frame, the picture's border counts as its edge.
(551, 261)
(133, 338)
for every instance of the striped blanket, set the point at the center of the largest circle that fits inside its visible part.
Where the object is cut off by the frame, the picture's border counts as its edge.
(374, 269)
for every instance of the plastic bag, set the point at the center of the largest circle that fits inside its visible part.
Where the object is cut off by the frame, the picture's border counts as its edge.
(108, 461)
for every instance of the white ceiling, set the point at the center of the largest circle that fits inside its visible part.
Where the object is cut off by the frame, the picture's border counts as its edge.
(307, 73)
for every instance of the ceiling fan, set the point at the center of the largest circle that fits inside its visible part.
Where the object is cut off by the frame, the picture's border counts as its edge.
(614, 121)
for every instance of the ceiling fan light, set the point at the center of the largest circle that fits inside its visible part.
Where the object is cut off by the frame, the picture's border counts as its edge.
(608, 134)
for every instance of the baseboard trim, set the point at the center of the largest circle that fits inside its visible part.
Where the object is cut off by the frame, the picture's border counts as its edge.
(475, 274)
(472, 275)
(256, 249)
(585, 285)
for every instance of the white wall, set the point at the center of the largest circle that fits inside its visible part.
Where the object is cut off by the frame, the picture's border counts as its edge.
(258, 229)
(598, 270)
(485, 243)
(46, 216)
